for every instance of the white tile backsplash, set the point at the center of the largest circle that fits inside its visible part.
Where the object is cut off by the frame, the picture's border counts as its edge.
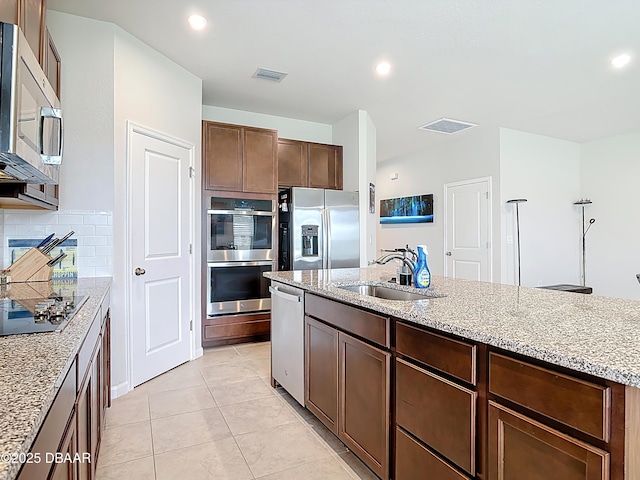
(94, 232)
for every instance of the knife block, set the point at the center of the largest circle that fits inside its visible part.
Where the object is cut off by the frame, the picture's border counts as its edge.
(31, 267)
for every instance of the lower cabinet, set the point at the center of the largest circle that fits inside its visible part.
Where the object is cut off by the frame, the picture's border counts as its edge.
(438, 412)
(347, 388)
(322, 372)
(413, 460)
(233, 329)
(522, 449)
(363, 418)
(69, 438)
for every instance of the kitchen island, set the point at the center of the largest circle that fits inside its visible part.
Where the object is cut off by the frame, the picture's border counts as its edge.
(580, 354)
(36, 368)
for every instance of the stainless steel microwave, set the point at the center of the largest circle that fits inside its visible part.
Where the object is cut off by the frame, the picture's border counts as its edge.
(31, 130)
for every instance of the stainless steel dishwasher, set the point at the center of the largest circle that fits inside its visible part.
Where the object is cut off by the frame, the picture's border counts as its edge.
(287, 338)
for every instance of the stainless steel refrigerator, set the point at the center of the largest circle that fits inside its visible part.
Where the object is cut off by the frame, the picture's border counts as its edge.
(318, 229)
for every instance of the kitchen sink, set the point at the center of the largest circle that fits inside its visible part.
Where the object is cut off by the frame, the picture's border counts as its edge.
(388, 293)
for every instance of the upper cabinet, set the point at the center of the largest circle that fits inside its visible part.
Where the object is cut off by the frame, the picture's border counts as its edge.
(239, 159)
(51, 62)
(305, 164)
(29, 15)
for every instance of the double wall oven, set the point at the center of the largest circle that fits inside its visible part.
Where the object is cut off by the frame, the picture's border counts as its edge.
(240, 248)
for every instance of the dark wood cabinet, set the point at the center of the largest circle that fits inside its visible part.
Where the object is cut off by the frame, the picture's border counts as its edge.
(413, 460)
(347, 381)
(28, 195)
(325, 166)
(67, 470)
(29, 15)
(52, 65)
(293, 163)
(239, 159)
(363, 419)
(438, 412)
(321, 365)
(306, 164)
(232, 329)
(522, 449)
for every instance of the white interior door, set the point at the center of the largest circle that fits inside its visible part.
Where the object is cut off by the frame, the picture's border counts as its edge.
(468, 230)
(159, 234)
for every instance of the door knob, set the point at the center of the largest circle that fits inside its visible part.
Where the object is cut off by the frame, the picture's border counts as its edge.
(448, 254)
(140, 271)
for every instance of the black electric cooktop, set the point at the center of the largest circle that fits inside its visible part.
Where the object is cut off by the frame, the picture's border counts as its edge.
(37, 315)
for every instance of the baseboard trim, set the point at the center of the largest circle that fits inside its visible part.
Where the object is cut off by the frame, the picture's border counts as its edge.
(120, 389)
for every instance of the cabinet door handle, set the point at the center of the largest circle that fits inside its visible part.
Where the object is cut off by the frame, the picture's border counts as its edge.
(140, 271)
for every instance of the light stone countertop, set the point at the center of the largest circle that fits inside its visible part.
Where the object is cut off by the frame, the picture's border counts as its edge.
(32, 369)
(587, 333)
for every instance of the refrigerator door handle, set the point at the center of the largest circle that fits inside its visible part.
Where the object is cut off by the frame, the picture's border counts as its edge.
(324, 237)
(327, 237)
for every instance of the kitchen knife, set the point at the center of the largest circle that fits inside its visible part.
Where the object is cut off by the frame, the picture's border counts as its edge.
(57, 242)
(59, 258)
(45, 241)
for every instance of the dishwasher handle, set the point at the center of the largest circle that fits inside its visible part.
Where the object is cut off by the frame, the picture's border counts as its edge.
(285, 296)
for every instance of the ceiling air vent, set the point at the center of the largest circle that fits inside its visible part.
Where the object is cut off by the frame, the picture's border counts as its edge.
(446, 125)
(272, 75)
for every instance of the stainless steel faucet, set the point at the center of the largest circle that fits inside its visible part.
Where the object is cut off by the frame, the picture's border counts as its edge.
(397, 254)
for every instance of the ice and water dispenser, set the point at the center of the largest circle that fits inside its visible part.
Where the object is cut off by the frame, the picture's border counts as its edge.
(309, 240)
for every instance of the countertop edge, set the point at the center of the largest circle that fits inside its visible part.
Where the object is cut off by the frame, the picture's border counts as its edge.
(547, 355)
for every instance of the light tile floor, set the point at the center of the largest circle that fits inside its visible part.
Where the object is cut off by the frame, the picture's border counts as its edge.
(218, 418)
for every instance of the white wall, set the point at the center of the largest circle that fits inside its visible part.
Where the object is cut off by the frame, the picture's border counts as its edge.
(357, 134)
(546, 172)
(287, 127)
(610, 170)
(109, 77)
(152, 91)
(468, 155)
(86, 51)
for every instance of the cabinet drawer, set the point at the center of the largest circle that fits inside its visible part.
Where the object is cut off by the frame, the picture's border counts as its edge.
(523, 449)
(438, 412)
(577, 403)
(370, 326)
(413, 460)
(450, 356)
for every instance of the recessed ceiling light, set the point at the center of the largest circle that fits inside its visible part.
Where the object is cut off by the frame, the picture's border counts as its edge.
(197, 22)
(383, 68)
(621, 60)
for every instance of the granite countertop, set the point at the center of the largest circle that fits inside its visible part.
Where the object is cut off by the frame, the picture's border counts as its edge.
(587, 333)
(32, 369)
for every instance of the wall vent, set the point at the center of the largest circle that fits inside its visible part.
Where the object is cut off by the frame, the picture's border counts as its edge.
(446, 125)
(271, 75)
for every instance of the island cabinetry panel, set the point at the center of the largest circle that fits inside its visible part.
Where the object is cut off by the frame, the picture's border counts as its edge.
(453, 357)
(524, 449)
(347, 384)
(307, 164)
(580, 404)
(321, 368)
(239, 159)
(438, 412)
(413, 460)
(363, 419)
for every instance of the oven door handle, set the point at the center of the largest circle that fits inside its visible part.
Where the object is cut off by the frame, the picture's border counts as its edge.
(255, 213)
(239, 264)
